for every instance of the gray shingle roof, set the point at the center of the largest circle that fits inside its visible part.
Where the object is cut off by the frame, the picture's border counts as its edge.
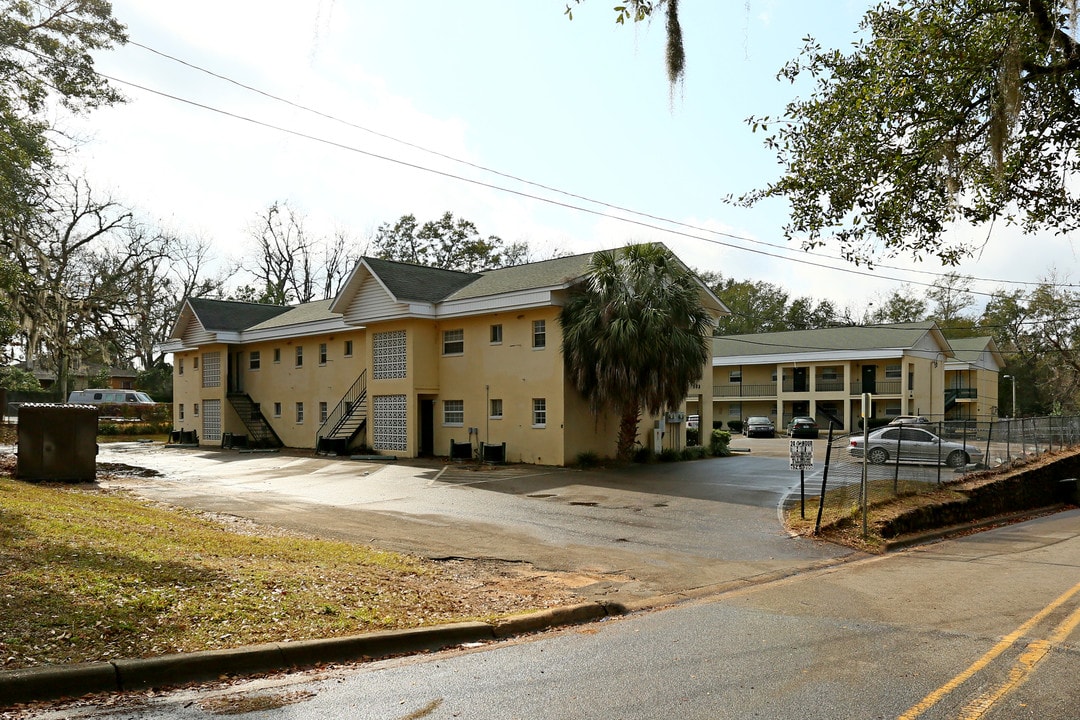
(232, 316)
(898, 335)
(970, 349)
(304, 313)
(543, 274)
(419, 282)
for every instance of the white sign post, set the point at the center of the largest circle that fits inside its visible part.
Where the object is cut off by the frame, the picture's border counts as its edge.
(801, 455)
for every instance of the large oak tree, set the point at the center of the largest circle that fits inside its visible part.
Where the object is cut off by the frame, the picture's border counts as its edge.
(941, 111)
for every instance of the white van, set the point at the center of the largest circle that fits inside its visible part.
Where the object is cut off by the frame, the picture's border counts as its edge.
(97, 396)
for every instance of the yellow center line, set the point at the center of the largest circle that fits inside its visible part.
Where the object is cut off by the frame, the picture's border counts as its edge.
(1033, 655)
(1004, 644)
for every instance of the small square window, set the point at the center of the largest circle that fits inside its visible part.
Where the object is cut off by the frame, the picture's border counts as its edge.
(348, 348)
(299, 356)
(735, 376)
(277, 355)
(277, 409)
(496, 409)
(254, 360)
(454, 412)
(539, 412)
(453, 342)
(893, 372)
(299, 412)
(322, 353)
(496, 334)
(539, 334)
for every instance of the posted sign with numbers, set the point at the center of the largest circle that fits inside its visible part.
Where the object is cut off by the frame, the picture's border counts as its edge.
(802, 454)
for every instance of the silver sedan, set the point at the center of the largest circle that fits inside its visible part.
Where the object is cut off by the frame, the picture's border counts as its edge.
(909, 444)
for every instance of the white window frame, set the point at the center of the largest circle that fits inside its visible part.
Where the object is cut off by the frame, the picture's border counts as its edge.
(299, 412)
(324, 411)
(453, 342)
(348, 348)
(299, 356)
(254, 360)
(539, 412)
(453, 413)
(277, 409)
(495, 409)
(495, 334)
(539, 334)
(322, 353)
(735, 376)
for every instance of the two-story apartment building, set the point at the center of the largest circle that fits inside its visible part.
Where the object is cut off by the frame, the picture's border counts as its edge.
(971, 379)
(406, 360)
(906, 367)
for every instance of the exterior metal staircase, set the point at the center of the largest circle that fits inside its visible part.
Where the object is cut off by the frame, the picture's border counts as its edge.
(260, 432)
(346, 421)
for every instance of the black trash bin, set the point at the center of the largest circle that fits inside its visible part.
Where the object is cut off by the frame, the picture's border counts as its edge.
(57, 442)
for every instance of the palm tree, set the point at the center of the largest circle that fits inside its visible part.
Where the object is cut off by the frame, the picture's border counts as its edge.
(635, 335)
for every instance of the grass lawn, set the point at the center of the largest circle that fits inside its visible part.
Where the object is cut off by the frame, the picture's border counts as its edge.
(89, 575)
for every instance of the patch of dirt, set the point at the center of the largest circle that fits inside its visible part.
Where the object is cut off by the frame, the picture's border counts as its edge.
(125, 470)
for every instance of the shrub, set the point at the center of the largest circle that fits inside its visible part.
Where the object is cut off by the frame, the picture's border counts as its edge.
(643, 455)
(693, 452)
(669, 455)
(588, 459)
(719, 443)
(735, 426)
(693, 436)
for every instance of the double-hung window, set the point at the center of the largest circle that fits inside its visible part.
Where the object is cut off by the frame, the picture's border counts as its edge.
(453, 342)
(539, 412)
(454, 413)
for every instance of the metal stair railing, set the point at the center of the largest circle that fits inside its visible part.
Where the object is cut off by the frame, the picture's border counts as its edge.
(262, 432)
(351, 403)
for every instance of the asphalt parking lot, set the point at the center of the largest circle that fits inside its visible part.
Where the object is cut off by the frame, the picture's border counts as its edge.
(623, 534)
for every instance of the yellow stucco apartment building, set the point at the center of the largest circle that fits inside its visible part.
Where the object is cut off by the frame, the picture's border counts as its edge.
(413, 361)
(405, 360)
(909, 369)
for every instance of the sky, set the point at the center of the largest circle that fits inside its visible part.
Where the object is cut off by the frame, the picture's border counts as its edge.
(561, 133)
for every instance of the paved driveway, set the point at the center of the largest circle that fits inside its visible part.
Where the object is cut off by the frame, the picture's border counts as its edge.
(614, 534)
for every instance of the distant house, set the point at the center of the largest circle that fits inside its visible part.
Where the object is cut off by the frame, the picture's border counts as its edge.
(81, 373)
(908, 368)
(407, 360)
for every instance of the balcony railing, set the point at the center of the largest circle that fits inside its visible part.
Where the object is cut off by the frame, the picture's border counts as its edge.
(880, 387)
(744, 390)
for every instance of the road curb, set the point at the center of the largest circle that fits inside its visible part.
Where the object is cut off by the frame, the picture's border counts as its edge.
(57, 682)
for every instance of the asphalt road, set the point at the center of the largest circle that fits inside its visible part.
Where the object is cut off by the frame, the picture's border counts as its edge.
(978, 627)
(622, 534)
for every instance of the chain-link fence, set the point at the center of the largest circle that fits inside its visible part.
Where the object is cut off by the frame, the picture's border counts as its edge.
(912, 458)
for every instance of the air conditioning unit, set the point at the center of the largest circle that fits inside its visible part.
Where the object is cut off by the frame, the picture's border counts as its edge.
(676, 417)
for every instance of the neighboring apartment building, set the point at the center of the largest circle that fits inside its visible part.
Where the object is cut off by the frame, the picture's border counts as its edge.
(971, 379)
(907, 367)
(406, 360)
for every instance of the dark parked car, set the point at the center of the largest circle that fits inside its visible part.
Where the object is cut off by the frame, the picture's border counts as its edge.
(759, 426)
(913, 445)
(802, 427)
